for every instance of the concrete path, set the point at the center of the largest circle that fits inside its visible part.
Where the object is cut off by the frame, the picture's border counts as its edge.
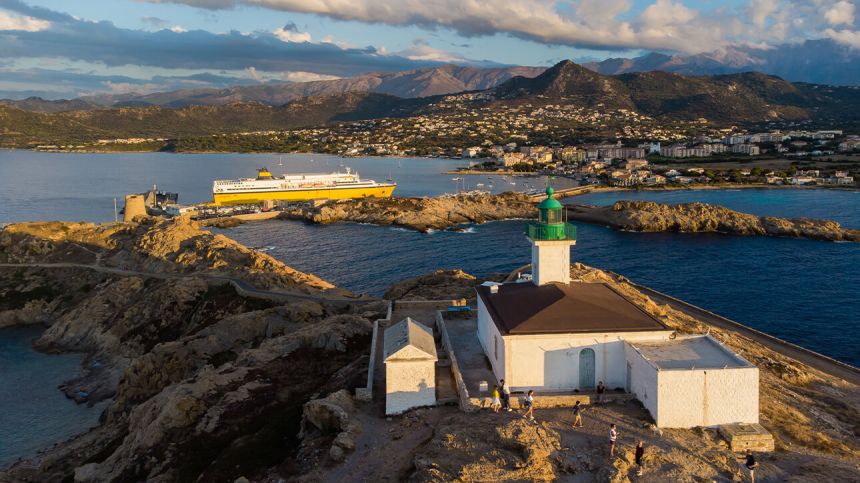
(242, 287)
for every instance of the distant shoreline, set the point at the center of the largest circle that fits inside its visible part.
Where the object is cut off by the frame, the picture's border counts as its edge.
(607, 189)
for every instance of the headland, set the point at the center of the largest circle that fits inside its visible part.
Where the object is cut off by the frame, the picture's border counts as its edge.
(201, 375)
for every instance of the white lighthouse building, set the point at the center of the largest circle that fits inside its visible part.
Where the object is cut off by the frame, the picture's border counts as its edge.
(554, 335)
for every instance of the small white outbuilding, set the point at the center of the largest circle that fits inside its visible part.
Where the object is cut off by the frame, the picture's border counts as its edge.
(410, 366)
(692, 381)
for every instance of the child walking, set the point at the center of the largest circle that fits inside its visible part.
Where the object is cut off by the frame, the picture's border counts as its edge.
(613, 437)
(496, 404)
(530, 406)
(577, 415)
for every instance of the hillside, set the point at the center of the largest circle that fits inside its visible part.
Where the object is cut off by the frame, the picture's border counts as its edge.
(22, 128)
(734, 98)
(724, 100)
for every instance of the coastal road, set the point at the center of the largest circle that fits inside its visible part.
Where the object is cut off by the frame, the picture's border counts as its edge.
(821, 362)
(242, 287)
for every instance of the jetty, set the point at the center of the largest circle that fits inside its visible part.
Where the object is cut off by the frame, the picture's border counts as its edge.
(562, 193)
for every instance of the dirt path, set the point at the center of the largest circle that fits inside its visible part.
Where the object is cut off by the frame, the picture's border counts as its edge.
(245, 288)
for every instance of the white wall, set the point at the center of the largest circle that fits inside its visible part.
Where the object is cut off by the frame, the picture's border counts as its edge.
(488, 335)
(551, 261)
(707, 397)
(409, 384)
(643, 380)
(551, 362)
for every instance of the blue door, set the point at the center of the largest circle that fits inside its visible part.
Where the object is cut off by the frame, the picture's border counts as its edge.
(586, 368)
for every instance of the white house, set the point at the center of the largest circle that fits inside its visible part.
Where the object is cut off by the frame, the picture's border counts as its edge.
(555, 335)
(409, 353)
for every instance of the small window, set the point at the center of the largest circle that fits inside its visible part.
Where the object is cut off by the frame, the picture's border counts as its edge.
(496, 347)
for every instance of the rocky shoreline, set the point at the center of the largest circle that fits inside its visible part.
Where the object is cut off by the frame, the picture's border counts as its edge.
(648, 216)
(206, 384)
(422, 214)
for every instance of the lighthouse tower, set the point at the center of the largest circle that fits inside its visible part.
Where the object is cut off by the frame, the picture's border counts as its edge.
(551, 237)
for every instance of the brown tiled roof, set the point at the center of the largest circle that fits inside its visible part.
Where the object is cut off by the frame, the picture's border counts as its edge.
(524, 308)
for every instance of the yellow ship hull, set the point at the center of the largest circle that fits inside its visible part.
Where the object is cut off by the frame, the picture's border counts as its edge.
(336, 193)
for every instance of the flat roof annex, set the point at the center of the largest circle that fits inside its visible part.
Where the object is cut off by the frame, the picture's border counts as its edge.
(687, 353)
(556, 308)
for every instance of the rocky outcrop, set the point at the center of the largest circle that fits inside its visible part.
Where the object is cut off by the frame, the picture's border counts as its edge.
(647, 216)
(422, 214)
(171, 246)
(439, 285)
(200, 377)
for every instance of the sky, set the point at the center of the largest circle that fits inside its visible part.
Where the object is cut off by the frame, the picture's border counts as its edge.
(72, 48)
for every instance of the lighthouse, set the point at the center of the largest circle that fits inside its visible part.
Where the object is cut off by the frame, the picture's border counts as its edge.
(551, 238)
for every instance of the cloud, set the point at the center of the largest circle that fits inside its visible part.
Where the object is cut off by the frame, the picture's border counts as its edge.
(252, 73)
(421, 50)
(154, 21)
(845, 37)
(67, 82)
(290, 33)
(760, 10)
(131, 87)
(840, 13)
(22, 23)
(105, 43)
(674, 25)
(307, 77)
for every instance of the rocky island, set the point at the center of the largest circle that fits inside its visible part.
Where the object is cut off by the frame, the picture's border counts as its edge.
(224, 364)
(648, 216)
(422, 214)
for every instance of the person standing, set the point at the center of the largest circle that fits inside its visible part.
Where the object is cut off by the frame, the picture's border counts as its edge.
(751, 464)
(495, 403)
(613, 438)
(506, 396)
(577, 415)
(640, 453)
(530, 406)
(600, 390)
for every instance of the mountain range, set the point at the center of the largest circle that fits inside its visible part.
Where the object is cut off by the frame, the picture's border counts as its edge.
(820, 61)
(447, 79)
(813, 61)
(744, 98)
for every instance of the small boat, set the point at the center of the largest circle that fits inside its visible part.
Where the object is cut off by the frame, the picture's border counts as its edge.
(389, 178)
(514, 183)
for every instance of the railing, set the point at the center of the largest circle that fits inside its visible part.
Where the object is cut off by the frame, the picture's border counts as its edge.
(560, 231)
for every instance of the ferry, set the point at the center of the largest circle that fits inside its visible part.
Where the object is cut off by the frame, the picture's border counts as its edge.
(297, 187)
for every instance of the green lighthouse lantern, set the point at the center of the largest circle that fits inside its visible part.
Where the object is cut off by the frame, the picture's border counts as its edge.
(551, 224)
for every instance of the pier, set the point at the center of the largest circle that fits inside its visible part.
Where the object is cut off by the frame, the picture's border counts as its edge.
(562, 193)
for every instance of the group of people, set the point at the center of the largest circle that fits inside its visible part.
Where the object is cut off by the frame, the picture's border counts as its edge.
(501, 401)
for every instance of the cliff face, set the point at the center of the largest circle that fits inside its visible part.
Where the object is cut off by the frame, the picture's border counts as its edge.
(647, 216)
(205, 383)
(421, 214)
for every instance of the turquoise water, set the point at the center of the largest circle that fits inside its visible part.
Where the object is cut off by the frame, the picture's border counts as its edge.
(35, 414)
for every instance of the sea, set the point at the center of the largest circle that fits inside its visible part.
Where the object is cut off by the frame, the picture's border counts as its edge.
(803, 291)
